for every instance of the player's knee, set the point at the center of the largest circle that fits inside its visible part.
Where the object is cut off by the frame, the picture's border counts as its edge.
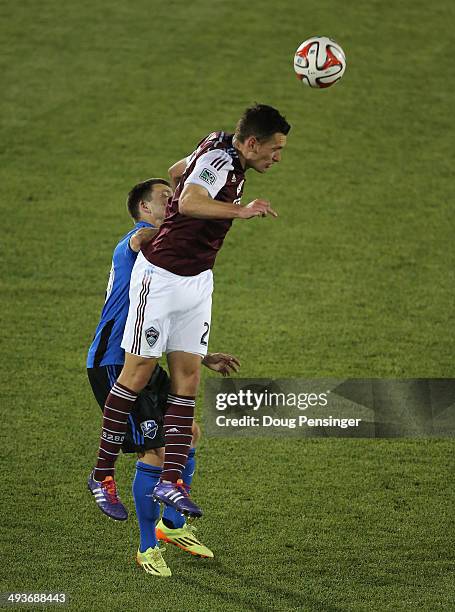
(153, 456)
(185, 372)
(193, 379)
(136, 373)
(186, 383)
(196, 434)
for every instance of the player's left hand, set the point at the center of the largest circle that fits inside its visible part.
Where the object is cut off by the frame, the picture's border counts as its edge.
(223, 363)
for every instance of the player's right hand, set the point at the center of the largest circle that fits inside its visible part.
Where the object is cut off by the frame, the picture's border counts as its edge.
(257, 208)
(141, 237)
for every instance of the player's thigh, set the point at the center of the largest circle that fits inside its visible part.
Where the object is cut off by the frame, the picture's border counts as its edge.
(190, 327)
(151, 301)
(102, 379)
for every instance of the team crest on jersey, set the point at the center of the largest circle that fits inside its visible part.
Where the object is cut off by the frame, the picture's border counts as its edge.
(151, 335)
(149, 428)
(207, 176)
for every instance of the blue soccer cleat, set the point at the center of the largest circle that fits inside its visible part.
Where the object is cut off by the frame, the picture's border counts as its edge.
(175, 495)
(105, 494)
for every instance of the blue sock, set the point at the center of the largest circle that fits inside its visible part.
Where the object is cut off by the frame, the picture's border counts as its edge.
(147, 510)
(172, 518)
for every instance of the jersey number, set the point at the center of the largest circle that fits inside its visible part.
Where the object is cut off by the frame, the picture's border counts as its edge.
(204, 335)
(110, 283)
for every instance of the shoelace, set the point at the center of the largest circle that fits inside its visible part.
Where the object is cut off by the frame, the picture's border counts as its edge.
(182, 488)
(191, 530)
(111, 491)
(157, 558)
(190, 533)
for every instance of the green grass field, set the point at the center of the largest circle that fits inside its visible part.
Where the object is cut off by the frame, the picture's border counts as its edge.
(355, 278)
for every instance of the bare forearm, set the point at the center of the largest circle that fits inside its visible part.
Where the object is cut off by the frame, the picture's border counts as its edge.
(176, 172)
(174, 180)
(203, 206)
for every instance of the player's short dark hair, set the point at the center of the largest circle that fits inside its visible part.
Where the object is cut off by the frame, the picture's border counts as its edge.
(140, 192)
(261, 121)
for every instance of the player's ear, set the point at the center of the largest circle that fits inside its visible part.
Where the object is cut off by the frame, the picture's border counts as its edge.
(251, 143)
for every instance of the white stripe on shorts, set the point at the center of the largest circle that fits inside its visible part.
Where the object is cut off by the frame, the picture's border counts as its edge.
(140, 312)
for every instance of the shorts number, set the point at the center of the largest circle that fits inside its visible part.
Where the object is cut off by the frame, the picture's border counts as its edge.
(204, 335)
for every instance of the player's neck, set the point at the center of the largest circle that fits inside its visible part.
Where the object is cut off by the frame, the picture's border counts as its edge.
(237, 146)
(152, 220)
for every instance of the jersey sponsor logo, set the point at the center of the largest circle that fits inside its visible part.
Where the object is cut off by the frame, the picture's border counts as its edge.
(149, 428)
(151, 335)
(208, 177)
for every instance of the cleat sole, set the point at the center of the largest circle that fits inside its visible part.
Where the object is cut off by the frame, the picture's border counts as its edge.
(186, 513)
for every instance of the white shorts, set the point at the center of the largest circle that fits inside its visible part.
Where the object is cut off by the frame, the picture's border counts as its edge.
(167, 312)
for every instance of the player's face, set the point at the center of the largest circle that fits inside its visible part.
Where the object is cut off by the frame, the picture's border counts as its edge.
(267, 153)
(158, 201)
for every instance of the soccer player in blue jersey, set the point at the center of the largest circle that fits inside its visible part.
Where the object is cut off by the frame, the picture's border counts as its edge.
(146, 204)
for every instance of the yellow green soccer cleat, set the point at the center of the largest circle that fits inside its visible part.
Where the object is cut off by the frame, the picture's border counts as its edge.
(152, 562)
(184, 538)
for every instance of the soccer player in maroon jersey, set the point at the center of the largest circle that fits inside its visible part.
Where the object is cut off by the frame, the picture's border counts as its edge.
(171, 288)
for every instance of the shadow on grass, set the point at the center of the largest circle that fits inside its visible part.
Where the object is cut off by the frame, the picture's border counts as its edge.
(293, 600)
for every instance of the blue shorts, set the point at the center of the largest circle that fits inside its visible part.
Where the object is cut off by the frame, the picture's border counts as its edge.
(145, 423)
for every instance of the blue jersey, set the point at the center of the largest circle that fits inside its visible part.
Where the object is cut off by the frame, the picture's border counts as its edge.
(105, 348)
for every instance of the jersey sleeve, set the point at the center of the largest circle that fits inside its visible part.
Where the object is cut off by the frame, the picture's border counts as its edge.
(211, 171)
(124, 249)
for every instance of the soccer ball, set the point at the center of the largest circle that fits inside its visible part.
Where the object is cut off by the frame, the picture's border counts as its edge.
(319, 62)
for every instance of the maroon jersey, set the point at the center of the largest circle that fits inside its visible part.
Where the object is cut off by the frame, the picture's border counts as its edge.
(185, 245)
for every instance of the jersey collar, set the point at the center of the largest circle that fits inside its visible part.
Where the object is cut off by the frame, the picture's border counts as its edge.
(235, 156)
(140, 224)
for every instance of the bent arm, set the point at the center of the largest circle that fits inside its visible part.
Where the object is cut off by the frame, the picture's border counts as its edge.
(196, 202)
(176, 172)
(141, 237)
